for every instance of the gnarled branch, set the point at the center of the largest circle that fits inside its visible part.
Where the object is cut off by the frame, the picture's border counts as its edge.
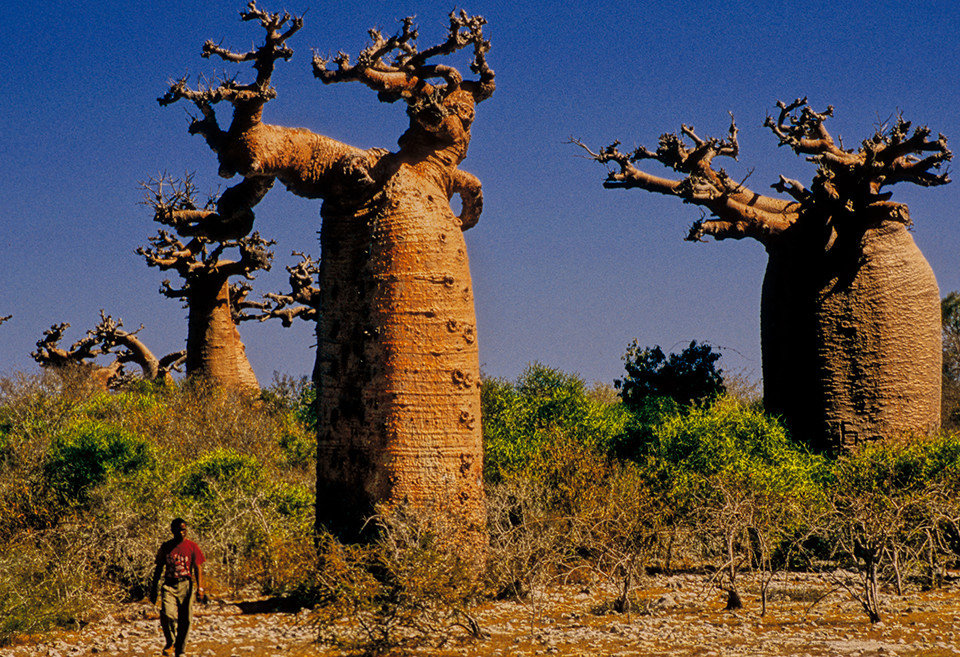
(302, 301)
(845, 189)
(407, 74)
(740, 212)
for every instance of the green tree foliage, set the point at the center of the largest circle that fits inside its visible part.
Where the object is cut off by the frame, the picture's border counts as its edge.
(545, 407)
(688, 377)
(731, 474)
(89, 452)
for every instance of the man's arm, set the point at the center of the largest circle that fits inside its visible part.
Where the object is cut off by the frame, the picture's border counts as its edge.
(155, 583)
(198, 577)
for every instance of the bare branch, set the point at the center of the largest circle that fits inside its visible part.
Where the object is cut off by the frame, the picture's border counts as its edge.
(249, 98)
(49, 353)
(792, 187)
(407, 73)
(740, 211)
(303, 300)
(229, 216)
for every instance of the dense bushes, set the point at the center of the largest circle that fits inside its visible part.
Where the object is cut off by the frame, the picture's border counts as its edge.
(576, 480)
(579, 485)
(93, 479)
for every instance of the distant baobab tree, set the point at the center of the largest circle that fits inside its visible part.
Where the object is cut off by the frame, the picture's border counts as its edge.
(214, 348)
(850, 324)
(397, 367)
(108, 337)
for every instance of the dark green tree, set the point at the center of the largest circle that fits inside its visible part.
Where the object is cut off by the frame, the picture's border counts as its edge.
(688, 377)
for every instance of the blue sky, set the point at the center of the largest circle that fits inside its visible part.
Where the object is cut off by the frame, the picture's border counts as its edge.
(564, 271)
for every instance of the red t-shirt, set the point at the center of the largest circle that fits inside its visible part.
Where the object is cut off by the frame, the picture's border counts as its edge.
(179, 558)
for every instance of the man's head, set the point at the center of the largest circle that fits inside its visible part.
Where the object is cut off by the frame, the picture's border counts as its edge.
(178, 527)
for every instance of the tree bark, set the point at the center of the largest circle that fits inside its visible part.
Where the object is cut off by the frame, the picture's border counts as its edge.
(214, 348)
(398, 370)
(851, 338)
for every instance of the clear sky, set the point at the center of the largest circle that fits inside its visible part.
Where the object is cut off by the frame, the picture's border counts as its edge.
(564, 271)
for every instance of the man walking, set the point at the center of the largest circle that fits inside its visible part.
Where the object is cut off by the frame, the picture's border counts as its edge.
(182, 581)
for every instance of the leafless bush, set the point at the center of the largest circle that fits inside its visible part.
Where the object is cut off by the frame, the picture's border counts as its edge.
(407, 588)
(43, 584)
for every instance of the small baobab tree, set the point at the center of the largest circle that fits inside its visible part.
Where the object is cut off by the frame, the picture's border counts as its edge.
(850, 328)
(214, 349)
(108, 337)
(397, 369)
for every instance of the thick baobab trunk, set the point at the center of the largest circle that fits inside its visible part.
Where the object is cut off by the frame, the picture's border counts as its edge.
(850, 323)
(851, 337)
(398, 368)
(214, 348)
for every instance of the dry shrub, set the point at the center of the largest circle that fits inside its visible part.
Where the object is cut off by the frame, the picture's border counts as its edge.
(44, 583)
(405, 589)
(528, 539)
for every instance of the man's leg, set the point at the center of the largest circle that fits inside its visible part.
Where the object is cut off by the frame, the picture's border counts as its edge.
(185, 614)
(168, 616)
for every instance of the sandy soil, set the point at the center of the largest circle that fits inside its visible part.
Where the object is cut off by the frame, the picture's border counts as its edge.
(677, 615)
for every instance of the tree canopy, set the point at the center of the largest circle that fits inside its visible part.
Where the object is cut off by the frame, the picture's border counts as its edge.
(687, 377)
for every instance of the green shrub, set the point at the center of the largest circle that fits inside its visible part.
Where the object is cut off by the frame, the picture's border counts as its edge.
(220, 471)
(735, 479)
(894, 509)
(523, 419)
(89, 452)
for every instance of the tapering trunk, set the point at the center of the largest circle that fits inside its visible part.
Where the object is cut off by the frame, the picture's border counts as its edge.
(851, 337)
(398, 367)
(214, 348)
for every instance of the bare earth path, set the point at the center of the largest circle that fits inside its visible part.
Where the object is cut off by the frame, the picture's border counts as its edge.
(678, 615)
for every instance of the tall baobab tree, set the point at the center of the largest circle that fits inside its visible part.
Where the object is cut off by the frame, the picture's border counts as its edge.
(397, 367)
(107, 337)
(214, 348)
(850, 327)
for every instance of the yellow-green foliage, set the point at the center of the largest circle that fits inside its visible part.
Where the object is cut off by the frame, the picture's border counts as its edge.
(545, 408)
(105, 473)
(730, 443)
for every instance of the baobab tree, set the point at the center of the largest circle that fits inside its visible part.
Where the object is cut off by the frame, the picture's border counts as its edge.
(397, 369)
(108, 337)
(850, 326)
(214, 349)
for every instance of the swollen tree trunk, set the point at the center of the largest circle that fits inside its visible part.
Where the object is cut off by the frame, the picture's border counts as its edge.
(398, 370)
(851, 338)
(214, 349)
(850, 322)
